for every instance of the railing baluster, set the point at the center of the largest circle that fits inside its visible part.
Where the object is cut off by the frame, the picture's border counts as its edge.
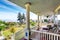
(57, 37)
(51, 37)
(40, 36)
(43, 36)
(54, 37)
(47, 36)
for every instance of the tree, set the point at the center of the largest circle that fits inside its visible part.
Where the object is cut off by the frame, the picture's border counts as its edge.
(12, 30)
(24, 18)
(2, 25)
(32, 23)
(21, 17)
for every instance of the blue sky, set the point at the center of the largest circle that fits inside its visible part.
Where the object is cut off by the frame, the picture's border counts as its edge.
(9, 11)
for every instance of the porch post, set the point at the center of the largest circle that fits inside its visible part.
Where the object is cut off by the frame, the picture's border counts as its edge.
(54, 17)
(27, 5)
(56, 11)
(40, 20)
(38, 23)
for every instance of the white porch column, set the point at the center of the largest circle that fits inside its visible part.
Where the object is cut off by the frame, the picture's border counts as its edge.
(28, 18)
(38, 21)
(54, 17)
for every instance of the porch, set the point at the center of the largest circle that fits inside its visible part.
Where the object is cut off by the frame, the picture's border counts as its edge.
(43, 35)
(40, 7)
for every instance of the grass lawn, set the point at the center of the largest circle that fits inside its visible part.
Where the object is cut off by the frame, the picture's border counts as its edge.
(7, 32)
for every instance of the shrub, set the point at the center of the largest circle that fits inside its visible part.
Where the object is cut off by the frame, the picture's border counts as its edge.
(32, 23)
(12, 30)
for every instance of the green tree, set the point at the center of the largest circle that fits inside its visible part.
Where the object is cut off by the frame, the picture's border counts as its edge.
(32, 22)
(2, 25)
(12, 30)
(24, 16)
(21, 17)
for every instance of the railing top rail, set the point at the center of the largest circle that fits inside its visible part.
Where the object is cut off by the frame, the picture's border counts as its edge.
(23, 30)
(45, 32)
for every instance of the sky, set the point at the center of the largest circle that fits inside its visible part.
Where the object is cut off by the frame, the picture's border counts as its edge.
(9, 11)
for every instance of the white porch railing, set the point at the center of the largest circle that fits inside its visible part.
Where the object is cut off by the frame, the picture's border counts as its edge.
(40, 35)
(19, 34)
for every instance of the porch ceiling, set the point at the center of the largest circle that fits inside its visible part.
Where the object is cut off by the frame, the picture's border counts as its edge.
(43, 7)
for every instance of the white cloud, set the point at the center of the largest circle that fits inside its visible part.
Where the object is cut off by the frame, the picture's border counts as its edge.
(8, 16)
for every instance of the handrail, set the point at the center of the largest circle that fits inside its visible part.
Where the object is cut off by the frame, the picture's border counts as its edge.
(20, 32)
(45, 32)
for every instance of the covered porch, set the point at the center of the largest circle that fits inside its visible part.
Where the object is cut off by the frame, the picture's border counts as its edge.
(39, 7)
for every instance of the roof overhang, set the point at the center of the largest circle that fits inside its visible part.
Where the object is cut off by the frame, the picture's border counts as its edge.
(43, 7)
